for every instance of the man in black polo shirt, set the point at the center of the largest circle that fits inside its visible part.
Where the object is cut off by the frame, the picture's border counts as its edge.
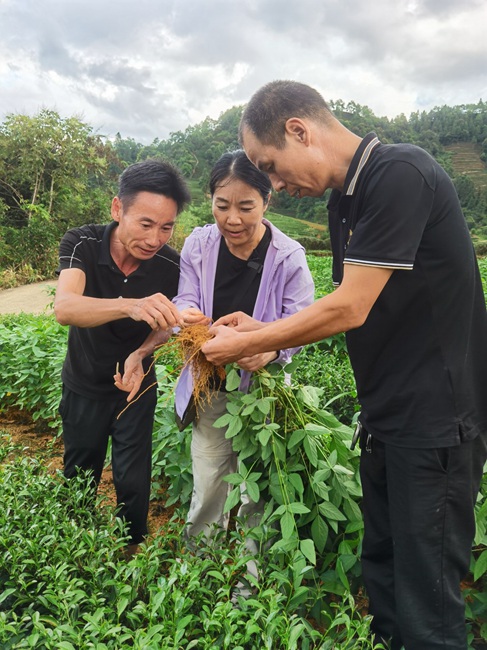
(115, 285)
(410, 298)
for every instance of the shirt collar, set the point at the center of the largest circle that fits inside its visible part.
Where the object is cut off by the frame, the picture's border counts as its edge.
(365, 148)
(105, 256)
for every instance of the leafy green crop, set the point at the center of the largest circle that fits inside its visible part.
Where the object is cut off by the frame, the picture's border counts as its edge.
(32, 351)
(293, 452)
(65, 583)
(297, 458)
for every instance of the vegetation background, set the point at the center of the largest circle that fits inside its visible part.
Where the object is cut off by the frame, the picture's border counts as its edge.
(64, 582)
(56, 173)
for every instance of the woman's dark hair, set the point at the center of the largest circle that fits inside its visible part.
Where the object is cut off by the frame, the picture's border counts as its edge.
(157, 176)
(235, 164)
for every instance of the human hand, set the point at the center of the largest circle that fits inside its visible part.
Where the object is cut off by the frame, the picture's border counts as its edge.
(256, 361)
(133, 375)
(226, 345)
(240, 321)
(193, 316)
(157, 311)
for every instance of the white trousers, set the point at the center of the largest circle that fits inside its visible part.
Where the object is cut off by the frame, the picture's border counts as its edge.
(213, 458)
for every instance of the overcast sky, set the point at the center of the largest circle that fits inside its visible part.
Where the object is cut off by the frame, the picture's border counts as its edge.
(146, 68)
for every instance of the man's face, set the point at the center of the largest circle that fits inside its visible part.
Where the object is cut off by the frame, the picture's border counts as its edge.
(292, 168)
(145, 225)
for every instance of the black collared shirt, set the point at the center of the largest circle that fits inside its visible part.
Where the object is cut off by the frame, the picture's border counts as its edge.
(420, 359)
(237, 281)
(93, 352)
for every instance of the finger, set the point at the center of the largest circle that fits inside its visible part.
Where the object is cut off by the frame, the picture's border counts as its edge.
(229, 320)
(171, 313)
(123, 387)
(165, 319)
(133, 393)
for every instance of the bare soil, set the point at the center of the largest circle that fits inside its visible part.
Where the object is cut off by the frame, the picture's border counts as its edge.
(32, 298)
(36, 442)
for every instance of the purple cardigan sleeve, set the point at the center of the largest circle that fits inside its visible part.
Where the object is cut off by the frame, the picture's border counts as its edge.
(297, 292)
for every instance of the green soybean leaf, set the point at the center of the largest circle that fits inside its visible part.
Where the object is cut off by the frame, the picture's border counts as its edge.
(329, 511)
(310, 449)
(234, 479)
(319, 531)
(264, 436)
(287, 525)
(224, 420)
(298, 508)
(480, 566)
(233, 379)
(253, 491)
(307, 548)
(232, 499)
(234, 427)
(297, 482)
(296, 438)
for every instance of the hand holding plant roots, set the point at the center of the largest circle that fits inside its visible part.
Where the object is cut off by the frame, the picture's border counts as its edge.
(190, 341)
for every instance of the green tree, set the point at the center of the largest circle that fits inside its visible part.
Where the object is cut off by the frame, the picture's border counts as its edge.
(55, 173)
(43, 160)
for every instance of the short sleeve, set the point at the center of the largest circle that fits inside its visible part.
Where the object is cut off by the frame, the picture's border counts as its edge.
(71, 251)
(396, 207)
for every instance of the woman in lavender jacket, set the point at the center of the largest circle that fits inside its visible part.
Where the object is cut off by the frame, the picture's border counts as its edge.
(240, 263)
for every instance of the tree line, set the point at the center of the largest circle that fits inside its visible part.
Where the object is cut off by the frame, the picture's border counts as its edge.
(58, 172)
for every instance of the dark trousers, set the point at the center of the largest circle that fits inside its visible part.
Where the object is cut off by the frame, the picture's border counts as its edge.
(419, 521)
(87, 425)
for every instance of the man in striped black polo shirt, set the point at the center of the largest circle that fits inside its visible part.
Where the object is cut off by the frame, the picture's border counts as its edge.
(410, 298)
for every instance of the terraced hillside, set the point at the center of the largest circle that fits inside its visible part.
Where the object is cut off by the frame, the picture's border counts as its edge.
(298, 227)
(466, 160)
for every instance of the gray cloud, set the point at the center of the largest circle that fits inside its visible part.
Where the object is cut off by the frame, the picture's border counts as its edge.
(151, 67)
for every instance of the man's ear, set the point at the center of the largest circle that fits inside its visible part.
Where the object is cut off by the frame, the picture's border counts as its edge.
(298, 129)
(116, 209)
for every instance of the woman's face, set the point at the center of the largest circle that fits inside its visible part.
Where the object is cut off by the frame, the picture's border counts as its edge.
(238, 209)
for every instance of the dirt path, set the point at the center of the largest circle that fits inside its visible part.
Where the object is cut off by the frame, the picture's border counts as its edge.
(33, 298)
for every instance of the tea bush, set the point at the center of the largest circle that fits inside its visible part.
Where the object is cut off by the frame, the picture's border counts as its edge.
(32, 351)
(66, 584)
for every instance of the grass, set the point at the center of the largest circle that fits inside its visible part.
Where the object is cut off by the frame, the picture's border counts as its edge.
(296, 228)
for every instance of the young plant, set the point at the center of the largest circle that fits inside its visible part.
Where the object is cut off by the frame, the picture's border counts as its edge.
(296, 457)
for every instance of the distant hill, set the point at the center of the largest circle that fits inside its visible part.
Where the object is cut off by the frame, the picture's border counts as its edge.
(297, 228)
(466, 160)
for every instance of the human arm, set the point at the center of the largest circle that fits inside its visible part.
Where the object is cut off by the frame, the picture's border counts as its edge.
(192, 265)
(242, 322)
(71, 307)
(133, 370)
(344, 309)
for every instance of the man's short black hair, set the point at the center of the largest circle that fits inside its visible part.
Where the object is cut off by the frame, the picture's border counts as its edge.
(153, 175)
(272, 105)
